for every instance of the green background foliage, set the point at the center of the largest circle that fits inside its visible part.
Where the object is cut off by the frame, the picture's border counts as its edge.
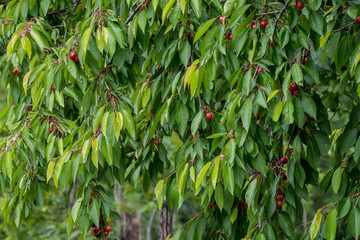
(131, 110)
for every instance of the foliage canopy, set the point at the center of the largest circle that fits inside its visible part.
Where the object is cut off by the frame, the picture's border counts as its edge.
(154, 69)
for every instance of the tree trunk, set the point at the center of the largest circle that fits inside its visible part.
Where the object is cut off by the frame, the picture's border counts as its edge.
(165, 221)
(72, 196)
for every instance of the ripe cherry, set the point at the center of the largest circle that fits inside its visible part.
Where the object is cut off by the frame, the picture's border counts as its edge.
(209, 116)
(243, 207)
(296, 94)
(76, 60)
(284, 160)
(358, 20)
(272, 43)
(282, 1)
(15, 71)
(305, 59)
(152, 109)
(293, 87)
(141, 8)
(96, 230)
(309, 117)
(279, 204)
(253, 26)
(260, 70)
(280, 197)
(230, 37)
(51, 130)
(106, 234)
(108, 228)
(263, 24)
(284, 177)
(221, 19)
(300, 5)
(90, 201)
(72, 55)
(156, 142)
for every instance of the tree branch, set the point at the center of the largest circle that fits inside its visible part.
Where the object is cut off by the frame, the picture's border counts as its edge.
(281, 12)
(291, 136)
(266, 13)
(133, 15)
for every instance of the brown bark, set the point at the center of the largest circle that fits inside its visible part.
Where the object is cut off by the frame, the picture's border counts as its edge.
(165, 221)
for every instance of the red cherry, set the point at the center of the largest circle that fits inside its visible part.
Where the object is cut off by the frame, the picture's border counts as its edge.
(51, 130)
(260, 70)
(309, 117)
(93, 225)
(272, 43)
(106, 234)
(157, 142)
(243, 207)
(209, 116)
(108, 228)
(221, 19)
(305, 59)
(90, 201)
(230, 37)
(281, 1)
(300, 5)
(284, 160)
(72, 55)
(279, 204)
(280, 197)
(263, 24)
(296, 94)
(284, 177)
(15, 71)
(253, 26)
(152, 109)
(358, 20)
(76, 60)
(141, 8)
(293, 87)
(96, 230)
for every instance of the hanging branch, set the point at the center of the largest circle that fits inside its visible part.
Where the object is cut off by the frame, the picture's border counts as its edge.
(281, 12)
(133, 15)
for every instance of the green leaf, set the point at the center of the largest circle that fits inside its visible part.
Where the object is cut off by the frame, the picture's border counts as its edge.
(158, 188)
(75, 209)
(289, 112)
(315, 225)
(245, 113)
(236, 16)
(336, 179)
(71, 67)
(297, 73)
(128, 122)
(201, 176)
(330, 225)
(313, 74)
(272, 94)
(286, 225)
(50, 170)
(94, 212)
(167, 8)
(316, 22)
(214, 174)
(8, 164)
(228, 177)
(85, 148)
(202, 29)
(260, 164)
(182, 180)
(49, 148)
(97, 118)
(308, 104)
(40, 41)
(95, 152)
(196, 123)
(353, 221)
(277, 111)
(185, 53)
(219, 196)
(104, 123)
(85, 42)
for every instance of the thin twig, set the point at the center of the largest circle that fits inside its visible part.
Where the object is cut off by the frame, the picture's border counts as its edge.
(133, 6)
(266, 13)
(281, 12)
(133, 15)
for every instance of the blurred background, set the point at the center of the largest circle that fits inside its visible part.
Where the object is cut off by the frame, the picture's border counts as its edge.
(140, 216)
